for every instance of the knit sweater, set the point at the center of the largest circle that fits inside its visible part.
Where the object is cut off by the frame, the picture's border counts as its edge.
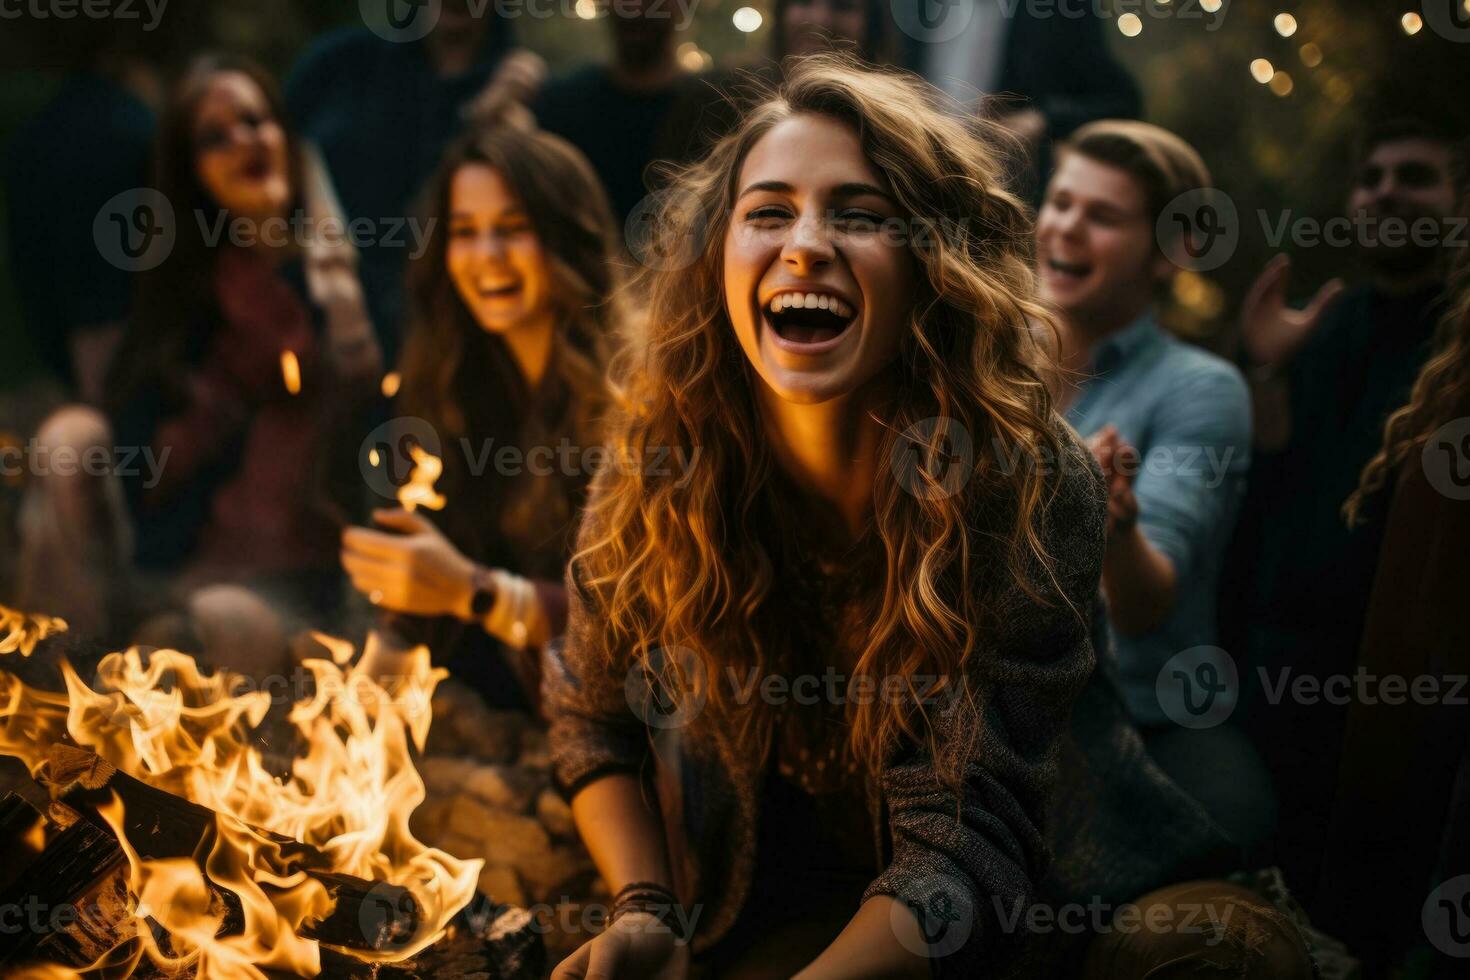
(964, 866)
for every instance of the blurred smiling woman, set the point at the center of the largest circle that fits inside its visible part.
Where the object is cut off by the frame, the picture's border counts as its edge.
(510, 301)
(851, 391)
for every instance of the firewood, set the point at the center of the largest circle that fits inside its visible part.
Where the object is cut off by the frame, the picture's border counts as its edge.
(366, 915)
(54, 895)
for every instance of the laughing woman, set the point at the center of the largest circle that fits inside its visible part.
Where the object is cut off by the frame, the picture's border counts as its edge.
(511, 302)
(852, 352)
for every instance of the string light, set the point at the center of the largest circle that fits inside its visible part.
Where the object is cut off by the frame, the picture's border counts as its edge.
(1262, 70)
(1281, 84)
(1412, 23)
(587, 9)
(1285, 25)
(693, 58)
(747, 20)
(1311, 55)
(1211, 6)
(1130, 24)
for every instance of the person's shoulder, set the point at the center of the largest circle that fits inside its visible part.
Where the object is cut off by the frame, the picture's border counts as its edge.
(1079, 487)
(574, 84)
(565, 99)
(1192, 368)
(340, 48)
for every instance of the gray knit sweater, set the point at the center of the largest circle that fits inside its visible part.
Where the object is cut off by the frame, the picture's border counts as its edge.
(964, 866)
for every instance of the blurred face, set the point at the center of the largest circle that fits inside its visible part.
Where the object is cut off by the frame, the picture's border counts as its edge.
(458, 26)
(641, 30)
(1095, 243)
(813, 26)
(1403, 180)
(240, 150)
(494, 255)
(818, 295)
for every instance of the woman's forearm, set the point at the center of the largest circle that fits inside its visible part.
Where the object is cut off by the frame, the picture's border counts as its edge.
(623, 831)
(879, 942)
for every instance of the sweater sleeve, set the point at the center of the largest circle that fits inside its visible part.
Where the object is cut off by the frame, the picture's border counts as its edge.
(968, 867)
(592, 729)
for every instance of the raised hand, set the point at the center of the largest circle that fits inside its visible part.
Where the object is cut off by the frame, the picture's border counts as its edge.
(1119, 463)
(1273, 332)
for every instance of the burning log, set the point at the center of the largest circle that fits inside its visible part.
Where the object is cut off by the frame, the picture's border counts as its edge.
(366, 915)
(65, 896)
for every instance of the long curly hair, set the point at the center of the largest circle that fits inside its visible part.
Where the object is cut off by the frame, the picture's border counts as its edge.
(1443, 385)
(691, 561)
(465, 382)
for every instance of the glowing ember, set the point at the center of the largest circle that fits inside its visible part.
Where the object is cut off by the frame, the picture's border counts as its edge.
(419, 490)
(291, 371)
(163, 720)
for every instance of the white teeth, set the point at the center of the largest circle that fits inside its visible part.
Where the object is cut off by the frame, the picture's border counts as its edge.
(810, 301)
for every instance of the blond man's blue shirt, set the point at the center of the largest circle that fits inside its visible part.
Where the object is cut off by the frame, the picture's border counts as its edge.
(1188, 414)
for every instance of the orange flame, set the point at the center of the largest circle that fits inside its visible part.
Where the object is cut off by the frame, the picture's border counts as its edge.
(165, 721)
(419, 490)
(22, 631)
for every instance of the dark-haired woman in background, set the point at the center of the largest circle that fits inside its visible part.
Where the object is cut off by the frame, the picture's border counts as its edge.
(510, 305)
(238, 363)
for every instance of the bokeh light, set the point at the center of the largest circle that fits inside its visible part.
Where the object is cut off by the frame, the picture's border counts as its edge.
(747, 19)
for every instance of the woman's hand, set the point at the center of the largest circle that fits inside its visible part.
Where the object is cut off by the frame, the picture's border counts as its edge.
(634, 947)
(415, 571)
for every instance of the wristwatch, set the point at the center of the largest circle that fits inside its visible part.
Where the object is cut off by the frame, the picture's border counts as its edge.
(482, 598)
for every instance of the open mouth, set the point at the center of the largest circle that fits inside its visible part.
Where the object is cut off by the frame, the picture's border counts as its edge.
(499, 292)
(1071, 270)
(808, 320)
(258, 169)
